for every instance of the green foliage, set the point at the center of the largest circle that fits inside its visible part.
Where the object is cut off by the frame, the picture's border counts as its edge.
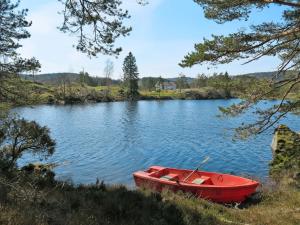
(280, 39)
(12, 90)
(181, 82)
(16, 91)
(148, 83)
(32, 65)
(200, 81)
(68, 90)
(221, 81)
(268, 38)
(13, 26)
(85, 78)
(130, 72)
(286, 151)
(19, 136)
(161, 94)
(97, 23)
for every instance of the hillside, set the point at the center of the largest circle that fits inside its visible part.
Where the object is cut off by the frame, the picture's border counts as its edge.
(52, 78)
(174, 79)
(266, 75)
(57, 78)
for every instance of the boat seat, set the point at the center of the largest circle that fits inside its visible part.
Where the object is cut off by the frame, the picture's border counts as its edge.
(166, 177)
(170, 176)
(198, 181)
(201, 180)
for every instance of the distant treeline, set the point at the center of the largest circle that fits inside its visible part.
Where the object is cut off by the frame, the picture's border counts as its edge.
(82, 77)
(217, 80)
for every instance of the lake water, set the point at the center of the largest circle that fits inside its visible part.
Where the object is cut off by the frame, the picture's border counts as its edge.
(110, 141)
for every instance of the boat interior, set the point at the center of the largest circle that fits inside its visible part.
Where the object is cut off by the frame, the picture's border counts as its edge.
(194, 177)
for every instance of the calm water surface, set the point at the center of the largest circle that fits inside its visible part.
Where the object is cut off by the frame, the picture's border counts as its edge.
(109, 141)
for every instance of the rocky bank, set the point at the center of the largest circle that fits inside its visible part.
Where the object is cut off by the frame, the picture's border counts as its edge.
(286, 155)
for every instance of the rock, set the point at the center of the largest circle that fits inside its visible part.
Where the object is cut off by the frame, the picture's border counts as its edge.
(286, 153)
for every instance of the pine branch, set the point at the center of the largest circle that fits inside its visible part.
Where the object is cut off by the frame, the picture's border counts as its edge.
(280, 2)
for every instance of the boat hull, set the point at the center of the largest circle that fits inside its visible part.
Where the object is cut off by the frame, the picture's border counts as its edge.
(221, 188)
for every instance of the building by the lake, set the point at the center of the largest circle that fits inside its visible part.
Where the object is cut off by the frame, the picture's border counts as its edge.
(166, 85)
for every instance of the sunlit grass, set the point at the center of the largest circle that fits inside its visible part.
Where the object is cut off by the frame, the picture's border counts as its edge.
(31, 200)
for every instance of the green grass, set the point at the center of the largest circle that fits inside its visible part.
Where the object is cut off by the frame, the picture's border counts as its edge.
(172, 94)
(177, 94)
(293, 96)
(38, 93)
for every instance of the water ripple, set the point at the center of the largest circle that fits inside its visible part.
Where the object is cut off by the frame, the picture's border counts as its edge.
(109, 141)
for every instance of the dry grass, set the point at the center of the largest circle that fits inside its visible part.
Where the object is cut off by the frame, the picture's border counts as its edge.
(279, 206)
(27, 199)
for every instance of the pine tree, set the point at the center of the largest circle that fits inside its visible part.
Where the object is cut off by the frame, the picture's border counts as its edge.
(268, 38)
(97, 23)
(130, 72)
(13, 28)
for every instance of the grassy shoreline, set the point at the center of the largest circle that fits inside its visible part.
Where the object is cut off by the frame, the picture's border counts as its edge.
(34, 199)
(34, 93)
(37, 93)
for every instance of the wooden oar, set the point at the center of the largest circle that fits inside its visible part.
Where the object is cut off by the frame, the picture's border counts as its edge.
(203, 162)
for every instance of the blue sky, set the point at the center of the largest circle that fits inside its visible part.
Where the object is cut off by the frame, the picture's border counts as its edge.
(163, 32)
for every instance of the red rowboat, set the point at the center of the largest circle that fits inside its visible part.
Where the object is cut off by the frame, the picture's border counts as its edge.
(222, 188)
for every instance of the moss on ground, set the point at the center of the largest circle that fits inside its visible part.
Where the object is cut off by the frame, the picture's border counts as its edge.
(286, 154)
